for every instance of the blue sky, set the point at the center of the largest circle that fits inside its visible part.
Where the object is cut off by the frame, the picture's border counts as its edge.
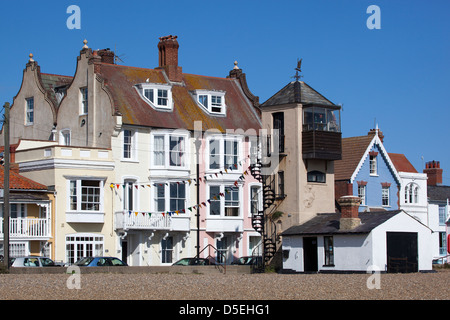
(397, 76)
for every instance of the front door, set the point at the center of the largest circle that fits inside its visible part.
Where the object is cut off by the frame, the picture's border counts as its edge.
(402, 253)
(310, 254)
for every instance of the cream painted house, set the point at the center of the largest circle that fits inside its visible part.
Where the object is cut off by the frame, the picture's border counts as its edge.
(148, 165)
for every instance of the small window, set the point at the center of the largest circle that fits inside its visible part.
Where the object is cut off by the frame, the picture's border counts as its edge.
(316, 176)
(30, 111)
(128, 144)
(232, 202)
(167, 250)
(84, 100)
(212, 101)
(329, 250)
(162, 97)
(157, 95)
(362, 194)
(373, 165)
(385, 196)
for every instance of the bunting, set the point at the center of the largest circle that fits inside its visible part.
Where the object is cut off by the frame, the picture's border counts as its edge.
(241, 178)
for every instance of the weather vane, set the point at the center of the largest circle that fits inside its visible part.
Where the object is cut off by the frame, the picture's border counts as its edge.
(298, 69)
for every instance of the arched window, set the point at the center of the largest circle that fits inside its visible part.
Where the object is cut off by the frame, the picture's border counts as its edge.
(412, 193)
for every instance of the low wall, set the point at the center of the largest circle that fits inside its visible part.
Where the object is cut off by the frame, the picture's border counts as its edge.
(231, 269)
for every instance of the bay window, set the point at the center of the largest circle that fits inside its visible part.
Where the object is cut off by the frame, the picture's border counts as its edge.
(85, 195)
(169, 197)
(225, 201)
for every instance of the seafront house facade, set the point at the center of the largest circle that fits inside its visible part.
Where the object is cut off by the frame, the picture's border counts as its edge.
(31, 218)
(149, 165)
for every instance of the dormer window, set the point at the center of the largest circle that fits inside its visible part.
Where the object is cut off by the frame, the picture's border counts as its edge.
(157, 95)
(211, 101)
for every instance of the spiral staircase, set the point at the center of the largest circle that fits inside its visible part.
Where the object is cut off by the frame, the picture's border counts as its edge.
(260, 221)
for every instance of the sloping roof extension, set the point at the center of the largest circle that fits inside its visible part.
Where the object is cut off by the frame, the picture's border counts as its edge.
(439, 193)
(402, 163)
(120, 81)
(297, 92)
(19, 182)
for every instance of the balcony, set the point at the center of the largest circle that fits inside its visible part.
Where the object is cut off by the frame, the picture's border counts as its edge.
(29, 228)
(321, 136)
(126, 220)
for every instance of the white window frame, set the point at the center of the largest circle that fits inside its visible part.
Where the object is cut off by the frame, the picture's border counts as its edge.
(166, 185)
(362, 194)
(222, 200)
(129, 187)
(207, 100)
(258, 201)
(157, 98)
(171, 250)
(385, 196)
(131, 145)
(97, 241)
(223, 139)
(78, 195)
(373, 166)
(167, 152)
(84, 101)
(29, 111)
(412, 193)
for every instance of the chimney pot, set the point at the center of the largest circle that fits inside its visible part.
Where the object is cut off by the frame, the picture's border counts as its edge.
(168, 57)
(434, 173)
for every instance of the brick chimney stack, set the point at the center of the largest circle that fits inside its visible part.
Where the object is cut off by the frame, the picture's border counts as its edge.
(168, 57)
(434, 173)
(349, 212)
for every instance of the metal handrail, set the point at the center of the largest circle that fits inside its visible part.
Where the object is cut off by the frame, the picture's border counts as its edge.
(212, 257)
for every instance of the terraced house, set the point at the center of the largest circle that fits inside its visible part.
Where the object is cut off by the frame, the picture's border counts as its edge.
(149, 165)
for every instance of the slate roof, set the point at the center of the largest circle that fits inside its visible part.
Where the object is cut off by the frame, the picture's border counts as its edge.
(328, 223)
(438, 193)
(401, 163)
(353, 149)
(19, 182)
(120, 81)
(297, 92)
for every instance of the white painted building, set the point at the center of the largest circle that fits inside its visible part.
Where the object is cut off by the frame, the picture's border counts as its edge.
(387, 241)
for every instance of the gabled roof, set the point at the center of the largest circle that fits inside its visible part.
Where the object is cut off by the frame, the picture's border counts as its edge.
(355, 151)
(120, 82)
(297, 92)
(402, 163)
(19, 182)
(328, 223)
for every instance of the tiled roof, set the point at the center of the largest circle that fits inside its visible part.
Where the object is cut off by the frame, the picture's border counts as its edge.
(120, 81)
(353, 149)
(297, 92)
(18, 182)
(328, 223)
(401, 163)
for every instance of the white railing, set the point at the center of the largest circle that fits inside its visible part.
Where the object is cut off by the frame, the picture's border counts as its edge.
(142, 220)
(27, 227)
